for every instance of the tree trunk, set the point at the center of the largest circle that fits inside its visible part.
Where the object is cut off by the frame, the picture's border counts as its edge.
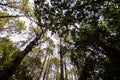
(61, 66)
(46, 68)
(45, 59)
(11, 67)
(66, 75)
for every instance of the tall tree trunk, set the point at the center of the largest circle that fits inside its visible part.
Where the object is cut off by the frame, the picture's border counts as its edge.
(61, 65)
(57, 77)
(44, 75)
(46, 68)
(46, 55)
(11, 67)
(66, 75)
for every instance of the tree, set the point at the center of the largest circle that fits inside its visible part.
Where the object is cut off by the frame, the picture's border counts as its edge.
(93, 25)
(89, 30)
(8, 22)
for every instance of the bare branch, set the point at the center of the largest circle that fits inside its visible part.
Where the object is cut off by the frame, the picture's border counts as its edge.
(12, 16)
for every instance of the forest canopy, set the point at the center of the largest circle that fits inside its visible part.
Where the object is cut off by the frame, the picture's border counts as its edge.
(60, 40)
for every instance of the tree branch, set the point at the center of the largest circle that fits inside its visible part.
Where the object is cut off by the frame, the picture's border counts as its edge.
(12, 16)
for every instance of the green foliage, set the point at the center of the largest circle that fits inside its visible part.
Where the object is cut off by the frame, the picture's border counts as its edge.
(25, 6)
(20, 25)
(88, 31)
(3, 21)
(11, 24)
(93, 28)
(6, 49)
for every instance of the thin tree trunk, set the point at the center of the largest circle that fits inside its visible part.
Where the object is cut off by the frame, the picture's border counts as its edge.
(56, 73)
(61, 65)
(66, 75)
(44, 75)
(48, 69)
(47, 66)
(43, 66)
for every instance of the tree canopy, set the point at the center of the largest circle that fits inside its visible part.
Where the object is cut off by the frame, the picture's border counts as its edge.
(86, 34)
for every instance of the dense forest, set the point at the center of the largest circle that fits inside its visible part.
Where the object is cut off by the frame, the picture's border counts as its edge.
(59, 40)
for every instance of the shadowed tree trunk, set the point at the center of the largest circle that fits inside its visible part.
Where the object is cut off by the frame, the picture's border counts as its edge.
(66, 75)
(61, 63)
(61, 67)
